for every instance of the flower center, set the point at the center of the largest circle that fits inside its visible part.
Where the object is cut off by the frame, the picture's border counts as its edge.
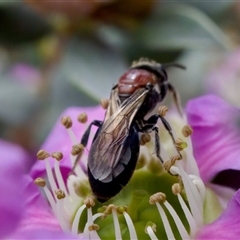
(163, 201)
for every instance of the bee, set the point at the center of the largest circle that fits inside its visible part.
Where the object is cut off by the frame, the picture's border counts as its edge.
(115, 147)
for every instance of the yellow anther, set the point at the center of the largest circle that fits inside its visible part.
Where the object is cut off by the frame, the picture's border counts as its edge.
(57, 155)
(66, 122)
(162, 110)
(93, 227)
(168, 164)
(77, 149)
(42, 154)
(60, 194)
(104, 103)
(89, 202)
(109, 208)
(121, 209)
(157, 197)
(40, 182)
(180, 144)
(145, 137)
(82, 117)
(176, 188)
(187, 131)
(152, 225)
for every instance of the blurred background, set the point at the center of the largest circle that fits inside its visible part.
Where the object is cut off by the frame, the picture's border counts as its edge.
(56, 54)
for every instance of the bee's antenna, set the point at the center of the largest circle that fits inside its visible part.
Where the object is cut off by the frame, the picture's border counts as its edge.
(167, 65)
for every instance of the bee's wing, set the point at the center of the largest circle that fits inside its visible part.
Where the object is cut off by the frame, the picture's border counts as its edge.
(105, 157)
(114, 103)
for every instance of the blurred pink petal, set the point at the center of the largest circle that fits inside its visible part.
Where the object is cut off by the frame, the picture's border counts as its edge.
(216, 135)
(224, 79)
(25, 74)
(12, 163)
(38, 221)
(227, 225)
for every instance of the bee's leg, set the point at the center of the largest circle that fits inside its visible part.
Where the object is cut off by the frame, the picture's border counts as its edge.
(85, 137)
(152, 121)
(149, 125)
(169, 129)
(157, 143)
(84, 140)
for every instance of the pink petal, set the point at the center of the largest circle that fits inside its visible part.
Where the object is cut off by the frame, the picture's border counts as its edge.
(227, 225)
(216, 135)
(37, 215)
(12, 163)
(59, 140)
(224, 80)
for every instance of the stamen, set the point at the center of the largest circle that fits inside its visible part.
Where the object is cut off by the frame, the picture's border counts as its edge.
(116, 225)
(61, 214)
(165, 221)
(169, 163)
(199, 184)
(145, 138)
(183, 232)
(60, 194)
(42, 155)
(93, 227)
(104, 103)
(180, 144)
(187, 131)
(90, 230)
(161, 198)
(77, 219)
(112, 208)
(162, 110)
(157, 197)
(66, 122)
(58, 156)
(82, 118)
(77, 149)
(176, 189)
(131, 228)
(150, 229)
(77, 152)
(89, 202)
(191, 164)
(194, 200)
(42, 183)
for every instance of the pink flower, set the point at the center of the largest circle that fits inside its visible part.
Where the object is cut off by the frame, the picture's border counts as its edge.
(13, 159)
(224, 79)
(155, 200)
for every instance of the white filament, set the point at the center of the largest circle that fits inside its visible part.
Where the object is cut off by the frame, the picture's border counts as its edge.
(165, 221)
(177, 220)
(116, 225)
(77, 219)
(50, 177)
(151, 233)
(190, 219)
(131, 228)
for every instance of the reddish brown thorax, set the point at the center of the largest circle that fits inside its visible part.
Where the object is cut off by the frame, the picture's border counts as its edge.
(134, 79)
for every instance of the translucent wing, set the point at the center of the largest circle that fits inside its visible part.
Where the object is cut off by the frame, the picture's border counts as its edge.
(105, 159)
